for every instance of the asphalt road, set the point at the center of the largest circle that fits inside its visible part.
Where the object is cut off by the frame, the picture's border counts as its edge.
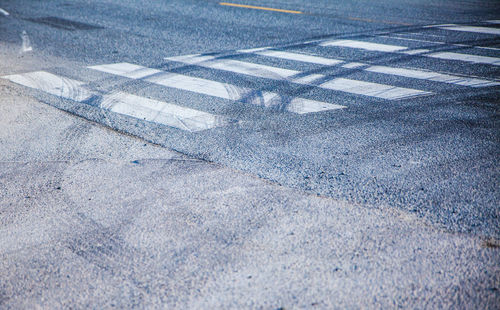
(392, 104)
(430, 146)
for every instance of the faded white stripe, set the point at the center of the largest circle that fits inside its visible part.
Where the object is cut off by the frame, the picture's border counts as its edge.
(52, 84)
(432, 76)
(466, 57)
(372, 89)
(442, 55)
(300, 57)
(161, 112)
(261, 71)
(365, 45)
(494, 21)
(236, 66)
(475, 29)
(218, 89)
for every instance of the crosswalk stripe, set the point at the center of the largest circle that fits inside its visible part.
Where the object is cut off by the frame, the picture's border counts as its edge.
(466, 57)
(161, 112)
(409, 73)
(298, 57)
(432, 76)
(217, 89)
(475, 29)
(339, 84)
(401, 49)
(52, 84)
(369, 46)
(122, 103)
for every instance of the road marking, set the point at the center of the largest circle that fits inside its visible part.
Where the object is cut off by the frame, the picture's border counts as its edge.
(410, 73)
(259, 8)
(52, 84)
(122, 103)
(217, 89)
(475, 29)
(353, 65)
(410, 39)
(295, 56)
(340, 84)
(415, 52)
(4, 12)
(432, 76)
(495, 21)
(441, 43)
(364, 45)
(466, 57)
(161, 112)
(401, 49)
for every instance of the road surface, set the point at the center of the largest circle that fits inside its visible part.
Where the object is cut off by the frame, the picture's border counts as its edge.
(391, 105)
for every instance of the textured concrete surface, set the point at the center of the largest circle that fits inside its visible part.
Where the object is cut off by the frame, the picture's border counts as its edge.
(91, 218)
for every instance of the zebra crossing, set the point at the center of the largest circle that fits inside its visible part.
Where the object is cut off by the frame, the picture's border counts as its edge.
(194, 120)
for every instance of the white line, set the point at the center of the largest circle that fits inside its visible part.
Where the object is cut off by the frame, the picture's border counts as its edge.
(466, 57)
(475, 29)
(415, 52)
(161, 112)
(340, 84)
(52, 84)
(297, 57)
(432, 76)
(364, 45)
(441, 55)
(372, 89)
(411, 39)
(354, 65)
(410, 73)
(131, 105)
(4, 12)
(495, 21)
(216, 89)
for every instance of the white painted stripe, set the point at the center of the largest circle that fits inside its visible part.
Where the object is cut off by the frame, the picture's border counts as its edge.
(253, 50)
(432, 76)
(495, 21)
(161, 112)
(346, 85)
(127, 70)
(217, 89)
(475, 29)
(52, 84)
(131, 105)
(4, 12)
(466, 57)
(441, 55)
(300, 57)
(353, 65)
(365, 45)
(236, 66)
(415, 52)
(372, 89)
(395, 37)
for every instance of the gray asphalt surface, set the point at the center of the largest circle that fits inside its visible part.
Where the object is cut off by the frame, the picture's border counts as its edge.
(430, 160)
(433, 155)
(90, 218)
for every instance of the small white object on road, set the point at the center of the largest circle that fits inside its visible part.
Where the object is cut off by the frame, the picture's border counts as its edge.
(4, 12)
